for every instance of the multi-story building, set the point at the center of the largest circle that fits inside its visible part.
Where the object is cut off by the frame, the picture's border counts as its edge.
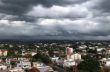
(71, 60)
(68, 50)
(74, 57)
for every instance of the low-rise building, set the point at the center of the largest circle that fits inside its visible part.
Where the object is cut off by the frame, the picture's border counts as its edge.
(3, 52)
(24, 64)
(2, 67)
(16, 69)
(105, 61)
(45, 69)
(37, 64)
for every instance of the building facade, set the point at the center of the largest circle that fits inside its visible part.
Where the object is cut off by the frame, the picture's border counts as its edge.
(68, 50)
(3, 52)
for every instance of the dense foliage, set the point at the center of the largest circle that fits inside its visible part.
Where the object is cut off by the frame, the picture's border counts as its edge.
(89, 65)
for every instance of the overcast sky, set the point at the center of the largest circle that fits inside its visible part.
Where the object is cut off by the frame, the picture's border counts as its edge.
(55, 19)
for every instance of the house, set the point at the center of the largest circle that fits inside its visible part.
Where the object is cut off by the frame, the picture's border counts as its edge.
(33, 70)
(16, 69)
(21, 58)
(99, 49)
(81, 47)
(68, 63)
(2, 67)
(74, 68)
(9, 66)
(45, 69)
(53, 59)
(1, 60)
(7, 60)
(16, 52)
(60, 62)
(37, 64)
(33, 53)
(13, 59)
(56, 51)
(84, 51)
(93, 48)
(3, 52)
(108, 50)
(10, 46)
(24, 64)
(105, 61)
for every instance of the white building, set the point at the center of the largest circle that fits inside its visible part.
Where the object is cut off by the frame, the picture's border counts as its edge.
(45, 69)
(24, 64)
(71, 60)
(16, 69)
(105, 61)
(2, 67)
(74, 57)
(37, 64)
(93, 48)
(68, 63)
(81, 47)
(21, 58)
(54, 58)
(33, 53)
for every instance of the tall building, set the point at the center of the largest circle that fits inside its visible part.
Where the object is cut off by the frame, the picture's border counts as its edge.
(68, 50)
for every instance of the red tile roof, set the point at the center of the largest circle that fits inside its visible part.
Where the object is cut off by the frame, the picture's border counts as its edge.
(3, 49)
(33, 70)
(103, 68)
(74, 67)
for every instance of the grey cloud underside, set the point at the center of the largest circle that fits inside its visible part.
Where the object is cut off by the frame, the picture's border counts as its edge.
(20, 7)
(104, 6)
(80, 19)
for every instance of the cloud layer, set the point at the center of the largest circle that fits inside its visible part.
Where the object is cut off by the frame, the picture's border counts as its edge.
(55, 19)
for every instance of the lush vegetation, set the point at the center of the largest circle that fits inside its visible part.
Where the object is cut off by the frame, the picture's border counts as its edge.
(89, 65)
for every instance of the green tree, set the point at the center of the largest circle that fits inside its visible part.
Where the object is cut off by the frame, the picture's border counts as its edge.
(12, 63)
(98, 70)
(34, 60)
(89, 65)
(42, 58)
(26, 70)
(107, 70)
(80, 71)
(92, 51)
(77, 50)
(10, 53)
(39, 60)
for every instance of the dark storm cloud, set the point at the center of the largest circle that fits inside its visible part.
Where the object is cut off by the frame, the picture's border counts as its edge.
(104, 6)
(61, 19)
(21, 6)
